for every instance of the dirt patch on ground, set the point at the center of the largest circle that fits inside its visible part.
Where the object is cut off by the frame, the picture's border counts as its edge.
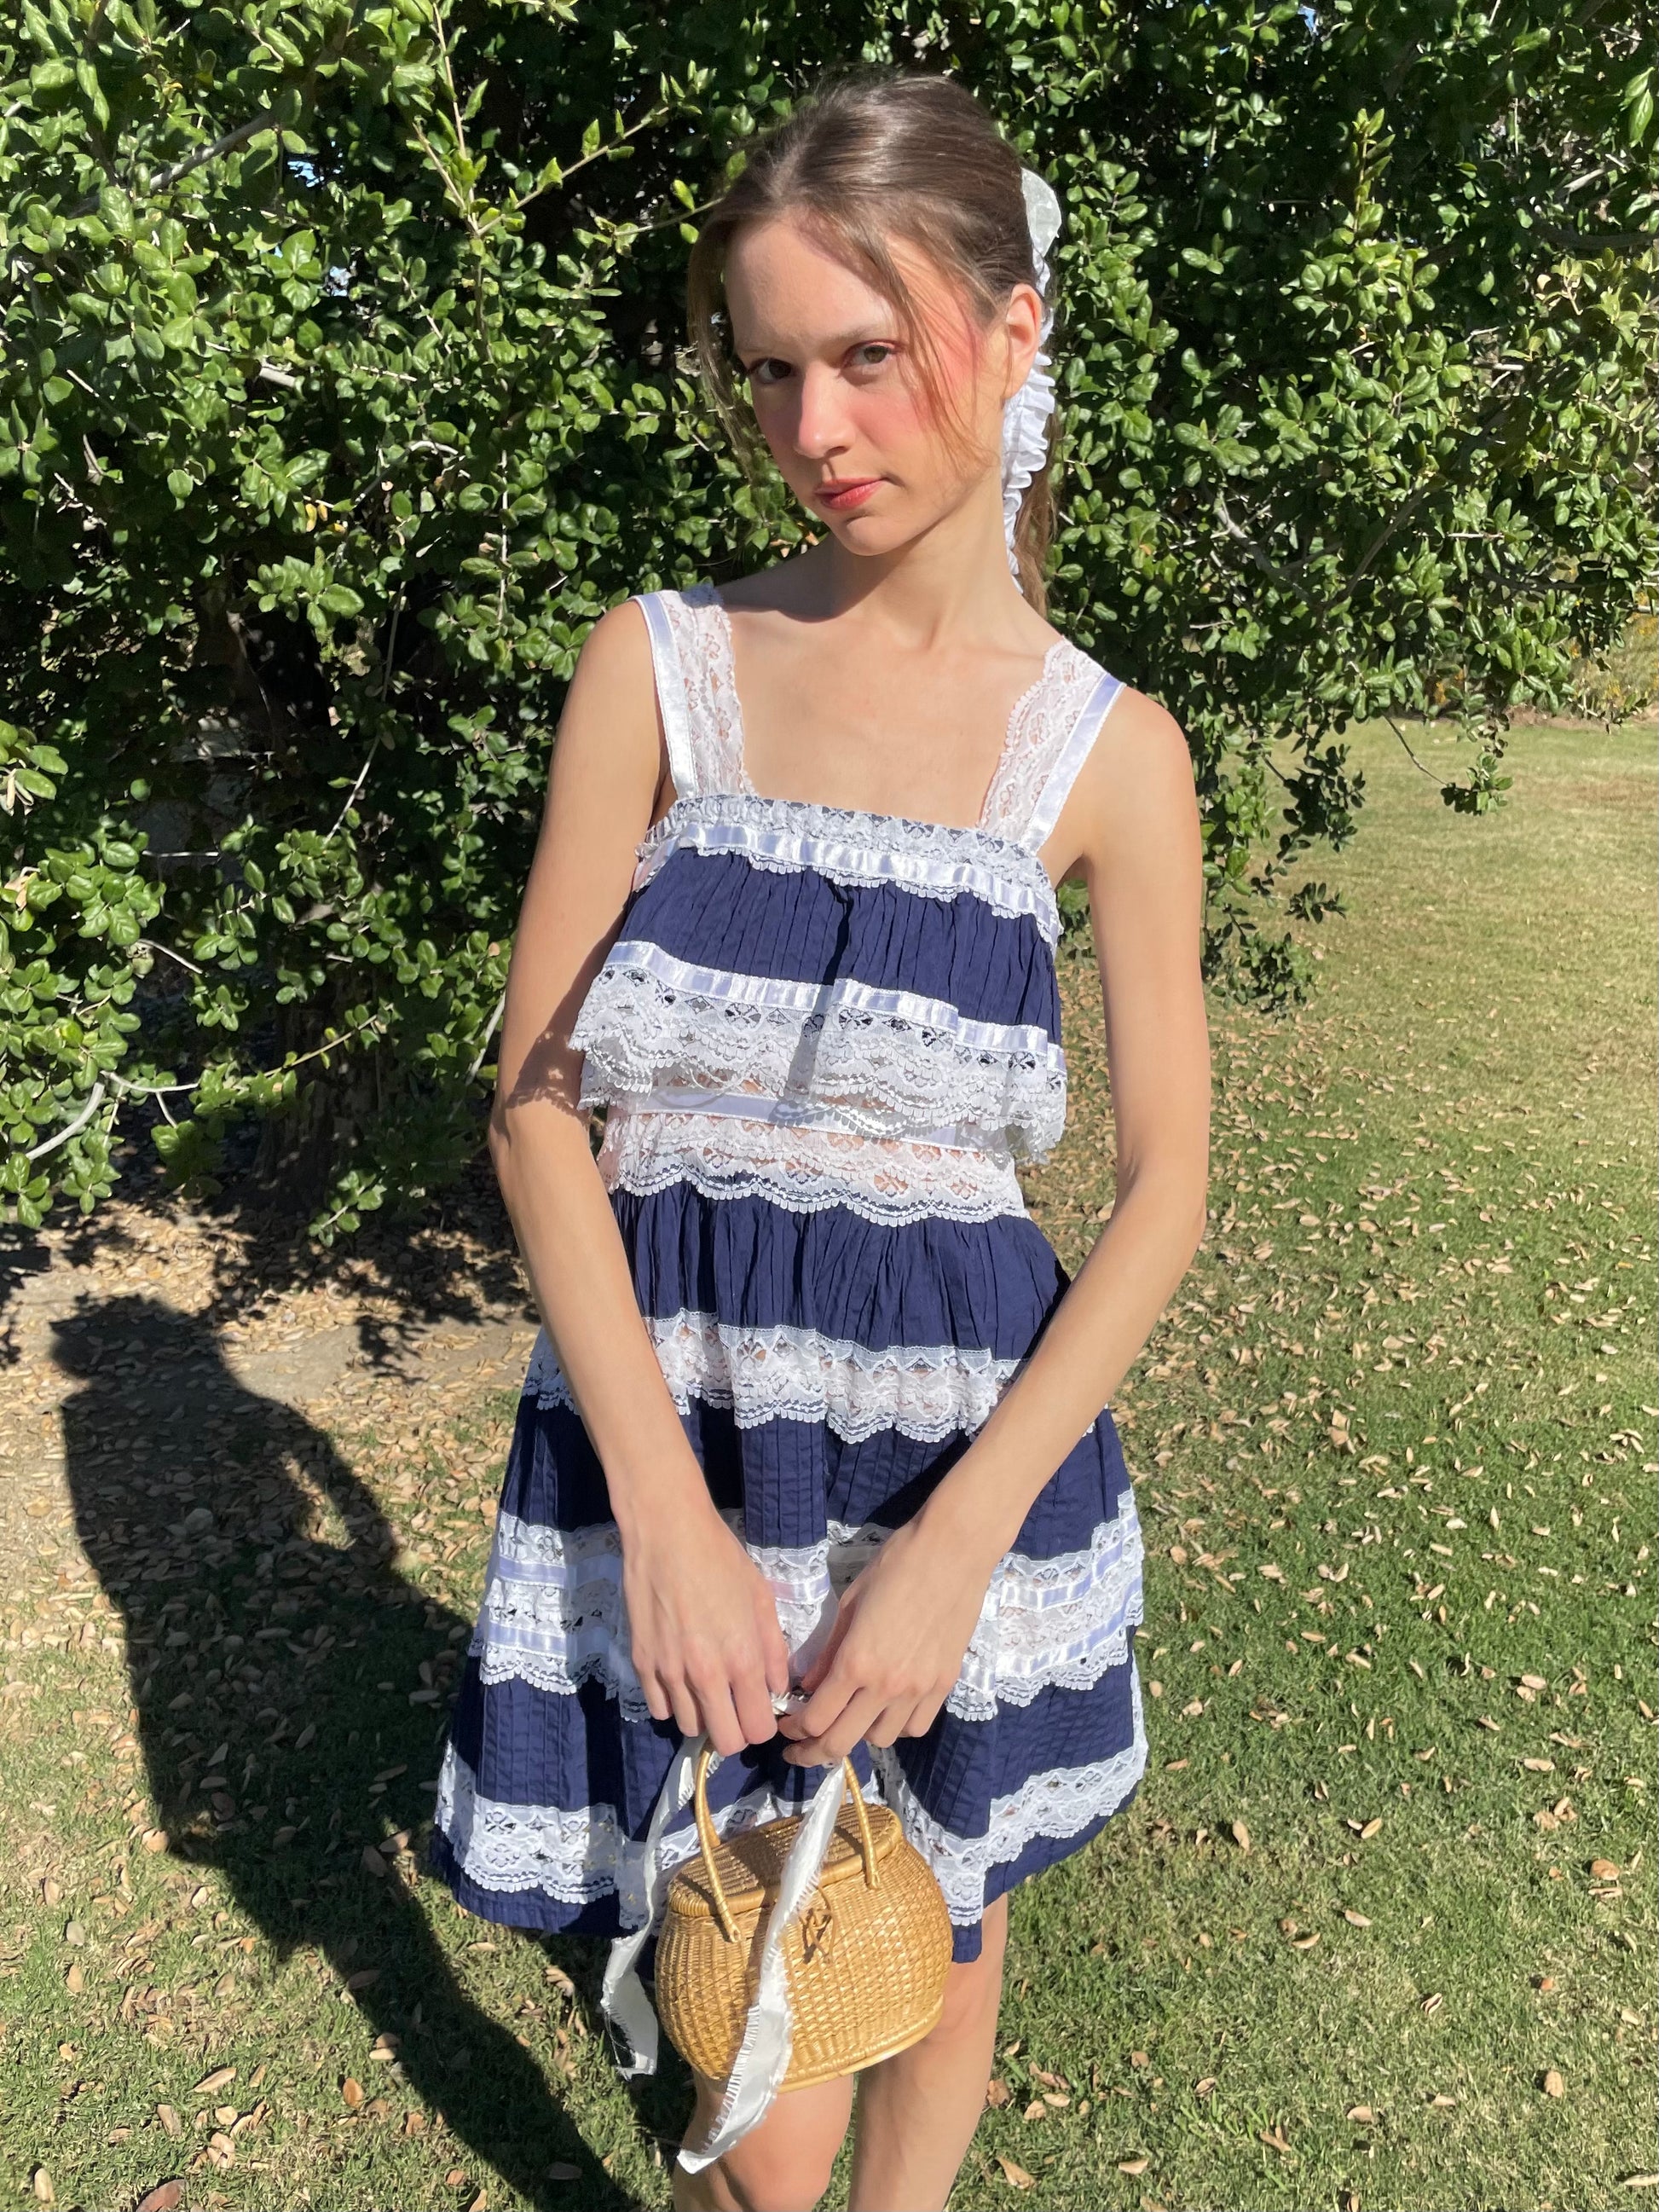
(161, 1297)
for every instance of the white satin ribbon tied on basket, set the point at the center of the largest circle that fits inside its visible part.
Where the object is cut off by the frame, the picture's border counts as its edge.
(1025, 416)
(762, 2058)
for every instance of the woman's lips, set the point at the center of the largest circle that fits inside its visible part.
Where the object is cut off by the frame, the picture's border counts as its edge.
(849, 492)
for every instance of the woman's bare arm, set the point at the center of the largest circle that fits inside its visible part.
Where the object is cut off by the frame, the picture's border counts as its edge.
(703, 1628)
(1131, 826)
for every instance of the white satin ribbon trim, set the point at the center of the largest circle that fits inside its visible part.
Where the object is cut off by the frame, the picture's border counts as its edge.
(669, 673)
(768, 2035)
(1058, 788)
(855, 847)
(762, 2058)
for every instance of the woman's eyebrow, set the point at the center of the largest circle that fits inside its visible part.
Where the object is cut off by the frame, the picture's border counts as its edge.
(838, 341)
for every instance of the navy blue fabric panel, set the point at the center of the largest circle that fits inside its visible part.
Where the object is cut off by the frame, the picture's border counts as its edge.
(716, 910)
(790, 1480)
(989, 1285)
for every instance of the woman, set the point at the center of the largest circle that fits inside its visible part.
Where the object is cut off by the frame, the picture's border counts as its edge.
(824, 1413)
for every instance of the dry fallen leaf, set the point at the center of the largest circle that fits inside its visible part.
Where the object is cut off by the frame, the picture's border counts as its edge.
(1640, 2181)
(1604, 1870)
(1241, 1836)
(364, 1978)
(997, 2092)
(351, 2090)
(1036, 2110)
(561, 2170)
(221, 2077)
(1014, 2175)
(1273, 2139)
(1132, 2165)
(1442, 2104)
(1354, 1919)
(454, 2178)
(43, 2188)
(1203, 2088)
(1538, 1765)
(1552, 2085)
(164, 2198)
(373, 1863)
(1433, 2001)
(1363, 2114)
(170, 2121)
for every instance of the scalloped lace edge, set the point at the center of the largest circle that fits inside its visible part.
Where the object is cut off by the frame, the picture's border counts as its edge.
(554, 1614)
(880, 1069)
(580, 1854)
(780, 1373)
(893, 1181)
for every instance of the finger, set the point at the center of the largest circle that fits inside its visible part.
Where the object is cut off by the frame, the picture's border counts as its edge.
(658, 1703)
(923, 1715)
(830, 1749)
(813, 1678)
(774, 1650)
(888, 1723)
(687, 1719)
(720, 1719)
(819, 1712)
(754, 1707)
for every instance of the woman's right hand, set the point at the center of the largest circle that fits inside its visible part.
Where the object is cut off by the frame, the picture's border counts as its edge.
(703, 1628)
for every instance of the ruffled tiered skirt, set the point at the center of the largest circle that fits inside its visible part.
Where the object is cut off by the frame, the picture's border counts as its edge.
(830, 1367)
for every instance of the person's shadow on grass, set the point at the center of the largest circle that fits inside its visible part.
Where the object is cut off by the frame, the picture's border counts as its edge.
(274, 1647)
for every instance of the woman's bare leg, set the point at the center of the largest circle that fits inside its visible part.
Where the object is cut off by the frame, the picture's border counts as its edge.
(917, 2112)
(781, 2165)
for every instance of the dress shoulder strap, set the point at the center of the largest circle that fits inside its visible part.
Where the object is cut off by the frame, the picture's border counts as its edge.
(691, 659)
(1051, 735)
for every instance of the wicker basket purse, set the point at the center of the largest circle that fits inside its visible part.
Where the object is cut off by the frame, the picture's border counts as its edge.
(865, 1959)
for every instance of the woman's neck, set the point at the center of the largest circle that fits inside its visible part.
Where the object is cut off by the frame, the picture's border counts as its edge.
(949, 584)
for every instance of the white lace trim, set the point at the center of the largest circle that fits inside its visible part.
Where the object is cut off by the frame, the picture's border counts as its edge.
(779, 1373)
(1035, 740)
(554, 1613)
(579, 1853)
(1058, 1804)
(886, 1063)
(856, 850)
(702, 639)
(1044, 721)
(730, 1154)
(576, 1854)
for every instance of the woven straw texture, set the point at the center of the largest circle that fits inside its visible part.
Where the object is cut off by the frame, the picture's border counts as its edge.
(866, 1961)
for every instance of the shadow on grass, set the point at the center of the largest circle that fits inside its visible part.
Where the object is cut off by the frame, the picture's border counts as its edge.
(254, 1574)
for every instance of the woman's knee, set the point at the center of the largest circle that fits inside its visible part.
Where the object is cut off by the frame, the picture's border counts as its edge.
(778, 2176)
(785, 2164)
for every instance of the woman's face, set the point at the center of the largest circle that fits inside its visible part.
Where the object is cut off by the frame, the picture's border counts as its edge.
(836, 391)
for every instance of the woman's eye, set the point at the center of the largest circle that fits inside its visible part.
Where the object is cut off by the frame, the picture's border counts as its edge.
(874, 355)
(769, 371)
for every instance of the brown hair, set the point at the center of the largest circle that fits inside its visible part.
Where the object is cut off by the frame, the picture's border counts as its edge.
(869, 155)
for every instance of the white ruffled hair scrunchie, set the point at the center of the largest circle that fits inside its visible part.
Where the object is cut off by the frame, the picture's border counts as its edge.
(1025, 416)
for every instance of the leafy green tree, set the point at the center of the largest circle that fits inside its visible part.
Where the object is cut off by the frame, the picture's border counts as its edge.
(343, 387)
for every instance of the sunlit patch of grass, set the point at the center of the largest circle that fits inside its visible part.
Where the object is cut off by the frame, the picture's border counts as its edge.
(1394, 1449)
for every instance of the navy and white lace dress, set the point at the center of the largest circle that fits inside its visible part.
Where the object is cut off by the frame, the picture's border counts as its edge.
(824, 1038)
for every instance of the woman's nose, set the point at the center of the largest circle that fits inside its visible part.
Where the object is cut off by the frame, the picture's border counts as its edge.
(820, 420)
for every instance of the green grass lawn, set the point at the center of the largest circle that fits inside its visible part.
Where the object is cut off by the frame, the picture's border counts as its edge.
(1377, 1932)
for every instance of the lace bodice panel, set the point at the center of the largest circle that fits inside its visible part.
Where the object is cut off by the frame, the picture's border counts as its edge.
(830, 1005)
(697, 682)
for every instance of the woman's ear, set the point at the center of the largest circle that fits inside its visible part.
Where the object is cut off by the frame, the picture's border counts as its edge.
(1022, 334)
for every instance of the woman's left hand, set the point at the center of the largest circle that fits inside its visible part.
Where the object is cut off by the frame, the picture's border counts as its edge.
(895, 1652)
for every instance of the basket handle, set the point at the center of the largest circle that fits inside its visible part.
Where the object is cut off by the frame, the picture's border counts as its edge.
(708, 1842)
